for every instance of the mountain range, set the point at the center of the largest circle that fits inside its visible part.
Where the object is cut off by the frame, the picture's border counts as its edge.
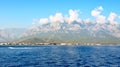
(74, 32)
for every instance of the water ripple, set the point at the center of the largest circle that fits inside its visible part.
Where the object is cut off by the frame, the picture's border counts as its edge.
(61, 56)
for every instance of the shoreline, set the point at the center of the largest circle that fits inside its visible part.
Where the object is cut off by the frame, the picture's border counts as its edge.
(59, 45)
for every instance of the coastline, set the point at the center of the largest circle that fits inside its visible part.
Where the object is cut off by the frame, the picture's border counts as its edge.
(25, 45)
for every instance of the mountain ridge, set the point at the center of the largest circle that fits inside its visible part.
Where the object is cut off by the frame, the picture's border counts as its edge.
(76, 32)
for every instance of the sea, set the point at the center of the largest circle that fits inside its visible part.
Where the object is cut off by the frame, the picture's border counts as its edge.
(59, 56)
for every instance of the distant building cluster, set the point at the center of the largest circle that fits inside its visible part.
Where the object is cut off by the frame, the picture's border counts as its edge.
(18, 43)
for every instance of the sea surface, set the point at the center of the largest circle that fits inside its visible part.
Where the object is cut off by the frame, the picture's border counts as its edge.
(59, 56)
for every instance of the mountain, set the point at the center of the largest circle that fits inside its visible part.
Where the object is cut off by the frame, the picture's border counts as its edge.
(76, 32)
(10, 34)
(3, 36)
(33, 40)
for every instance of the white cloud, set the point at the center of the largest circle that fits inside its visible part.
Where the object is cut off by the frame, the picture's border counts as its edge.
(97, 11)
(43, 21)
(73, 16)
(97, 14)
(112, 17)
(101, 19)
(100, 8)
(57, 18)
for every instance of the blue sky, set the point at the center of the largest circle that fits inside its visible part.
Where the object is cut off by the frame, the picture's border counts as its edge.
(20, 13)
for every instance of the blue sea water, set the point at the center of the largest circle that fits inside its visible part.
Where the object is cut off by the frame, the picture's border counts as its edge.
(60, 56)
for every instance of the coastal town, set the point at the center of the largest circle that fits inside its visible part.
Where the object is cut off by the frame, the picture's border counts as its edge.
(34, 44)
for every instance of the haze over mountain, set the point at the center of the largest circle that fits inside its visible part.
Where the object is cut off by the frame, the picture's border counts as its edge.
(69, 28)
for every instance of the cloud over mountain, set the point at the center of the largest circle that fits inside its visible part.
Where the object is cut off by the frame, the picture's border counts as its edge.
(112, 18)
(97, 14)
(59, 18)
(43, 21)
(73, 16)
(72, 20)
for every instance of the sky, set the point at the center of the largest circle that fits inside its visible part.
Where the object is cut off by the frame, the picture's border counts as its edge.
(22, 13)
